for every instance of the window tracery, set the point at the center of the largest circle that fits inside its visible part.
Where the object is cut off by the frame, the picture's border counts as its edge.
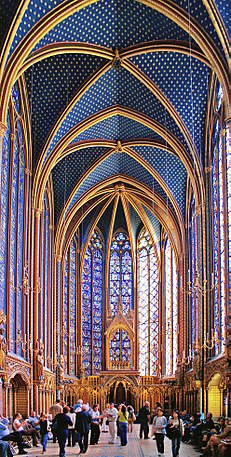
(171, 309)
(120, 274)
(70, 307)
(148, 306)
(218, 192)
(92, 282)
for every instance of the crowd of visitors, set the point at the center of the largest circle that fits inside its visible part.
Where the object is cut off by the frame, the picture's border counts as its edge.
(73, 426)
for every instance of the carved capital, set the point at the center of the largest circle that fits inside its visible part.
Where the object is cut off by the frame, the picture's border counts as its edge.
(3, 129)
(37, 212)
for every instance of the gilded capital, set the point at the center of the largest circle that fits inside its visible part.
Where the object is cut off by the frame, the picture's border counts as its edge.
(3, 129)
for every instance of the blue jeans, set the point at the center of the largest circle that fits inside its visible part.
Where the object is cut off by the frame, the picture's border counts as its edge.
(4, 448)
(175, 446)
(123, 428)
(44, 439)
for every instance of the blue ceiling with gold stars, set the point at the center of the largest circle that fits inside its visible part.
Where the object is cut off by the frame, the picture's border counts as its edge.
(153, 98)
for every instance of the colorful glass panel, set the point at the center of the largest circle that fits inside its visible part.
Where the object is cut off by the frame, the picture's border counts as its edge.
(120, 274)
(228, 148)
(65, 308)
(13, 246)
(168, 309)
(72, 307)
(148, 309)
(193, 298)
(92, 280)
(171, 310)
(16, 98)
(4, 216)
(218, 235)
(121, 350)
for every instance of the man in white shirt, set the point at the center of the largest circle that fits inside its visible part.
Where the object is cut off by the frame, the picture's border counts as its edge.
(112, 416)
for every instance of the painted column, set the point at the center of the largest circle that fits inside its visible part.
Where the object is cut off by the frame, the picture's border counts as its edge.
(36, 291)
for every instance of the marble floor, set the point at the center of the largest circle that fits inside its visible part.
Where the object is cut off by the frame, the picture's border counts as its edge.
(135, 448)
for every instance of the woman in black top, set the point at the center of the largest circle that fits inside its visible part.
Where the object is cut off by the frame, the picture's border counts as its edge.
(62, 421)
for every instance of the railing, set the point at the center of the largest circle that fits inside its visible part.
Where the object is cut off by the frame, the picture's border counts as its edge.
(120, 365)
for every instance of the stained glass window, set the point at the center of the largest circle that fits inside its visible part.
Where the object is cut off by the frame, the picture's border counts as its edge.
(171, 309)
(4, 216)
(92, 283)
(228, 147)
(218, 232)
(70, 308)
(120, 274)
(120, 350)
(192, 298)
(13, 245)
(148, 306)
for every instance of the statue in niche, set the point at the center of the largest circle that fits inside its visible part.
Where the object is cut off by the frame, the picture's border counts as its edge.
(39, 361)
(3, 348)
(60, 368)
(197, 365)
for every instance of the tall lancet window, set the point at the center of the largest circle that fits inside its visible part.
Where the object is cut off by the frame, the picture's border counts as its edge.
(4, 216)
(70, 307)
(192, 298)
(92, 298)
(219, 166)
(45, 277)
(148, 306)
(16, 228)
(228, 148)
(120, 274)
(171, 309)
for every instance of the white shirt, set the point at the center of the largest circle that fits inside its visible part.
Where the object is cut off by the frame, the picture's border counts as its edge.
(112, 415)
(73, 419)
(15, 426)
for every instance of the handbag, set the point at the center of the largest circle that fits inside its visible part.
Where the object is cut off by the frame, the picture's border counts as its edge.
(133, 417)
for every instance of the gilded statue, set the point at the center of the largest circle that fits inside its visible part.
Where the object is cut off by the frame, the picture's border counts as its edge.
(3, 348)
(39, 361)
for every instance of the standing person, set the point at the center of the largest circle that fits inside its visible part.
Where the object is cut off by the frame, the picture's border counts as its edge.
(82, 425)
(131, 418)
(95, 430)
(144, 417)
(112, 416)
(176, 429)
(104, 427)
(159, 429)
(44, 429)
(117, 420)
(55, 409)
(62, 421)
(71, 428)
(123, 425)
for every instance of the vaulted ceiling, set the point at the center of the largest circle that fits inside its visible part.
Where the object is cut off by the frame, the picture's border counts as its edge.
(118, 93)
